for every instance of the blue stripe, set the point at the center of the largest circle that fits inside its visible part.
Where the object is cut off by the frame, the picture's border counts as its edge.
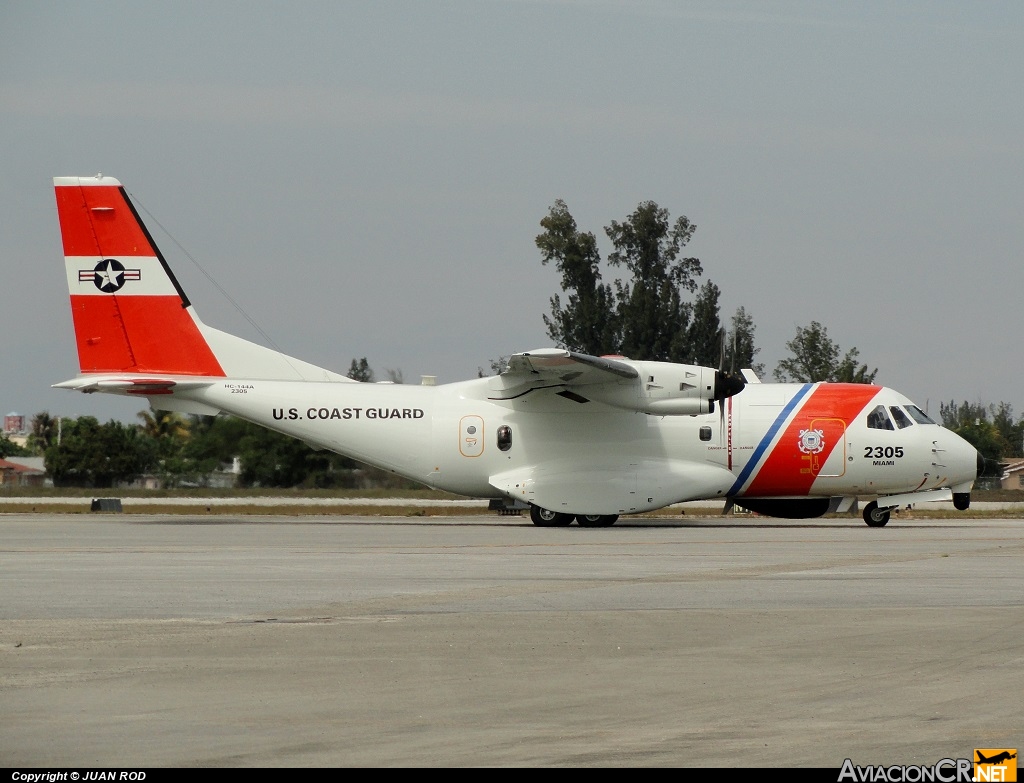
(769, 436)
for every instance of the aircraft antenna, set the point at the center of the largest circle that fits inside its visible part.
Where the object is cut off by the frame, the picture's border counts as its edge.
(209, 277)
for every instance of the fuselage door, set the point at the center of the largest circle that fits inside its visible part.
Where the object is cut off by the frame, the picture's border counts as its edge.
(824, 437)
(471, 436)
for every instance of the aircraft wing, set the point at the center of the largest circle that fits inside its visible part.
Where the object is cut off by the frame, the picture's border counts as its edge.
(553, 367)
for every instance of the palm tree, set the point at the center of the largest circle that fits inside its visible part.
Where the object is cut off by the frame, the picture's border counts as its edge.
(167, 428)
(45, 431)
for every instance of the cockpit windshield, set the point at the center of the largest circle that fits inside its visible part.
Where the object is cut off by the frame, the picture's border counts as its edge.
(901, 419)
(878, 419)
(919, 415)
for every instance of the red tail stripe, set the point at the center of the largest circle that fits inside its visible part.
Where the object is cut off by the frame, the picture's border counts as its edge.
(140, 334)
(97, 221)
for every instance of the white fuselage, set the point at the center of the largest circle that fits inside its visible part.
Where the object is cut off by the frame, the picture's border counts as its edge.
(775, 440)
(571, 434)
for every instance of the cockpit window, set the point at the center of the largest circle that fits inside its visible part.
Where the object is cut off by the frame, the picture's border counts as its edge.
(901, 419)
(878, 419)
(919, 415)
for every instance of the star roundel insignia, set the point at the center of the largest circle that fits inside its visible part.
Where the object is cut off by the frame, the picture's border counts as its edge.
(109, 275)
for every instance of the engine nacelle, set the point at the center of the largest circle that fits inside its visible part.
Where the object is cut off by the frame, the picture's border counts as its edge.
(663, 389)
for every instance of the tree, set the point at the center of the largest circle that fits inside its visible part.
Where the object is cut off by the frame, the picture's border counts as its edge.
(268, 458)
(955, 417)
(816, 358)
(213, 442)
(739, 346)
(497, 367)
(91, 454)
(587, 323)
(169, 429)
(646, 316)
(705, 333)
(653, 315)
(8, 448)
(169, 432)
(848, 371)
(44, 431)
(971, 422)
(989, 428)
(1010, 431)
(360, 371)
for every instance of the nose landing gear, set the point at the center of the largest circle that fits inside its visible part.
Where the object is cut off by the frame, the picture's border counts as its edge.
(875, 516)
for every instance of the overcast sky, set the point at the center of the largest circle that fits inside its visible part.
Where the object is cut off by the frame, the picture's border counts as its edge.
(367, 179)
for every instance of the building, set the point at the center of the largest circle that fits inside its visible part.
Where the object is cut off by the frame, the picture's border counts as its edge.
(1013, 475)
(15, 424)
(23, 472)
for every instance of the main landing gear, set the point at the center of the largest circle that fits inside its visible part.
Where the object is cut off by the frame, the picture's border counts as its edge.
(544, 518)
(875, 516)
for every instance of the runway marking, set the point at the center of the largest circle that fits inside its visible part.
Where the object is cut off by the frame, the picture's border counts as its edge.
(318, 620)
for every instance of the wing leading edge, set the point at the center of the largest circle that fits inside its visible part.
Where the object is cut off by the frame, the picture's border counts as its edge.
(547, 368)
(657, 388)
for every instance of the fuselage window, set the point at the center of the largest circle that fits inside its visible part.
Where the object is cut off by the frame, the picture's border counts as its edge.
(705, 432)
(918, 415)
(504, 437)
(878, 419)
(902, 419)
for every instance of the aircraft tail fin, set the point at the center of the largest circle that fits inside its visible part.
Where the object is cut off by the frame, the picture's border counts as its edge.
(130, 314)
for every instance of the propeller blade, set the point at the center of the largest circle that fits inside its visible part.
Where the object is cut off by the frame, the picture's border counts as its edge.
(732, 362)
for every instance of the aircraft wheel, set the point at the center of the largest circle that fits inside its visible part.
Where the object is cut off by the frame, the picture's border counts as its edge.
(961, 501)
(596, 520)
(875, 516)
(544, 518)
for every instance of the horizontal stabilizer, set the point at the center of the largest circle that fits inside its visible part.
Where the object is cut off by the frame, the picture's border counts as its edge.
(123, 385)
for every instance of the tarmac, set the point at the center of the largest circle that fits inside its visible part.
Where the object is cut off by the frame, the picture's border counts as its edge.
(135, 641)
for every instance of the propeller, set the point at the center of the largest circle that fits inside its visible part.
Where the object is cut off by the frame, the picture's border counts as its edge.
(727, 383)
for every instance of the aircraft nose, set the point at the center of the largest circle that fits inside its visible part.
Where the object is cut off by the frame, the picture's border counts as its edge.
(964, 462)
